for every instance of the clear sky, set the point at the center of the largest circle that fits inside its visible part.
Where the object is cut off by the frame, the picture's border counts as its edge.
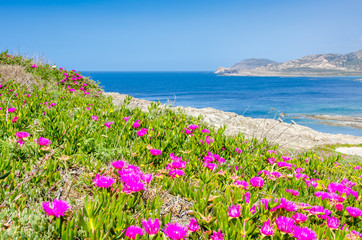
(177, 35)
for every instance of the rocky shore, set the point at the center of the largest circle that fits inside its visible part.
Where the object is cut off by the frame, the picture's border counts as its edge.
(338, 120)
(292, 136)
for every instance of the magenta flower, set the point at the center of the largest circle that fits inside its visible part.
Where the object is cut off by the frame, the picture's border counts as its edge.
(304, 233)
(22, 135)
(267, 229)
(34, 66)
(136, 124)
(285, 224)
(238, 150)
(257, 182)
(234, 211)
(338, 207)
(56, 208)
(194, 225)
(299, 218)
(294, 192)
(176, 173)
(178, 164)
(247, 197)
(187, 131)
(151, 228)
(15, 119)
(142, 132)
(205, 131)
(147, 177)
(125, 119)
(108, 124)
(155, 152)
(43, 141)
(217, 235)
(354, 212)
(332, 223)
(95, 118)
(20, 142)
(242, 184)
(103, 181)
(133, 186)
(133, 231)
(175, 231)
(193, 127)
(118, 164)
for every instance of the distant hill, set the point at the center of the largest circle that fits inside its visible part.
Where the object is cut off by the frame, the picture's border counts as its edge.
(313, 65)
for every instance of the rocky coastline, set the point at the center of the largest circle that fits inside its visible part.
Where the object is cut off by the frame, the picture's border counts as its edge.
(289, 136)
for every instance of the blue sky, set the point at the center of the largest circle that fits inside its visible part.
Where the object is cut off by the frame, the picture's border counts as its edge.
(187, 35)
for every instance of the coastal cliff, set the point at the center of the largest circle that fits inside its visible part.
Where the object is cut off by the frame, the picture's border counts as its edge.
(313, 65)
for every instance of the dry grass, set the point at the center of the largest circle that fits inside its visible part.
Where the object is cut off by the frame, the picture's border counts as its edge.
(17, 74)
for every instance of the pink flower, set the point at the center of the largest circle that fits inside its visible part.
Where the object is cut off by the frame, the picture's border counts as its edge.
(10, 110)
(285, 224)
(247, 197)
(205, 131)
(103, 181)
(194, 225)
(147, 177)
(176, 173)
(234, 211)
(271, 160)
(15, 119)
(56, 208)
(43, 141)
(338, 207)
(20, 142)
(151, 228)
(155, 152)
(257, 182)
(118, 164)
(299, 218)
(354, 212)
(267, 229)
(193, 127)
(304, 233)
(136, 124)
(238, 150)
(34, 66)
(243, 184)
(125, 119)
(133, 186)
(133, 231)
(175, 231)
(142, 132)
(71, 90)
(22, 134)
(217, 235)
(187, 131)
(108, 124)
(95, 118)
(294, 192)
(332, 223)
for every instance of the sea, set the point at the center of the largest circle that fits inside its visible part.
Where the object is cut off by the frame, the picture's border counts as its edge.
(288, 98)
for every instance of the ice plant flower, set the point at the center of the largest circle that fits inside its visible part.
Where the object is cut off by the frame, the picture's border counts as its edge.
(142, 132)
(43, 141)
(354, 212)
(150, 227)
(242, 184)
(205, 131)
(108, 124)
(133, 231)
(267, 229)
(94, 118)
(136, 124)
(332, 223)
(193, 127)
(155, 152)
(34, 66)
(285, 224)
(15, 119)
(194, 225)
(176, 173)
(234, 211)
(217, 235)
(338, 207)
(103, 181)
(20, 142)
(304, 233)
(118, 164)
(299, 218)
(56, 208)
(294, 192)
(175, 231)
(238, 150)
(22, 135)
(125, 119)
(256, 182)
(10, 110)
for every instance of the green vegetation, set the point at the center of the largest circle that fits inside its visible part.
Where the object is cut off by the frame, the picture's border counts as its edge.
(61, 139)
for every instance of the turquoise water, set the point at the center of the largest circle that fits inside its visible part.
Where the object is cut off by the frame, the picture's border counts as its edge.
(257, 97)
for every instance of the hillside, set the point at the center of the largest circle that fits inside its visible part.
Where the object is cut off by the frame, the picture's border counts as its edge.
(313, 65)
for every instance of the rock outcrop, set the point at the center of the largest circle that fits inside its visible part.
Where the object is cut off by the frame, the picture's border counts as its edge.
(286, 135)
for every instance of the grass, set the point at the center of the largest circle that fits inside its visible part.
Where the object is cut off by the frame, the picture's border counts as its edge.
(196, 175)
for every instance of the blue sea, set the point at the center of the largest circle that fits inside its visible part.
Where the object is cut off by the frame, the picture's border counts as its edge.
(257, 97)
